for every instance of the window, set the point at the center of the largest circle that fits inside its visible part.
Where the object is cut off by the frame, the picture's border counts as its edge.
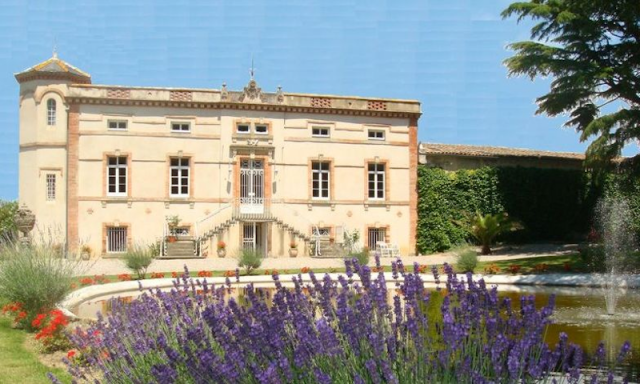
(375, 134)
(324, 231)
(117, 176)
(116, 239)
(376, 235)
(180, 127)
(376, 181)
(320, 180)
(320, 131)
(118, 125)
(51, 186)
(51, 112)
(243, 128)
(262, 129)
(180, 177)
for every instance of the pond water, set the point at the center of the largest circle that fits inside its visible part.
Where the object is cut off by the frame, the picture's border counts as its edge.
(579, 312)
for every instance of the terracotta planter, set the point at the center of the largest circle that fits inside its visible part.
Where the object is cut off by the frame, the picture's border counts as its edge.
(222, 252)
(172, 239)
(293, 252)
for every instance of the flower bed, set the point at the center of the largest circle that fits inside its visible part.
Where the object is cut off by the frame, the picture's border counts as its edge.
(325, 331)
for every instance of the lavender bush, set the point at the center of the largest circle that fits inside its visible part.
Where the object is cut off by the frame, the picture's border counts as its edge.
(328, 331)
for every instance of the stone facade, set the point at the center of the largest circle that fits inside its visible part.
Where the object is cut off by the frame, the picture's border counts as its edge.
(247, 160)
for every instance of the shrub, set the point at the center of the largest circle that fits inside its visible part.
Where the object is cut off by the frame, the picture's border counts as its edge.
(362, 257)
(249, 260)
(35, 277)
(466, 259)
(8, 229)
(155, 248)
(331, 332)
(138, 259)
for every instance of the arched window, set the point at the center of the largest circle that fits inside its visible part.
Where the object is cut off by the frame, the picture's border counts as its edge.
(51, 112)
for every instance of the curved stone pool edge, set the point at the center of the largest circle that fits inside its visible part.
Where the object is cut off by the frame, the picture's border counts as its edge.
(85, 294)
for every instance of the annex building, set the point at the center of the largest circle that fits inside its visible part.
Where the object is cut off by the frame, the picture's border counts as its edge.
(113, 166)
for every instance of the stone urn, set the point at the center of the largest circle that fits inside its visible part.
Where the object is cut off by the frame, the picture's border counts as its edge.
(293, 252)
(222, 252)
(25, 221)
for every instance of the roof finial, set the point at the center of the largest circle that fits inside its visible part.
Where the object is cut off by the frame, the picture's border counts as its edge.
(252, 70)
(55, 48)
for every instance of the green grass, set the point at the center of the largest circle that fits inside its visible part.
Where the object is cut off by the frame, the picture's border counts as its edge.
(555, 264)
(17, 364)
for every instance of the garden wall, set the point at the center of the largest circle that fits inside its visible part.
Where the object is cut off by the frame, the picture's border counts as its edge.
(552, 204)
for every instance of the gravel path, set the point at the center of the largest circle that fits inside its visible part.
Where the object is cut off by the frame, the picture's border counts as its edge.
(116, 266)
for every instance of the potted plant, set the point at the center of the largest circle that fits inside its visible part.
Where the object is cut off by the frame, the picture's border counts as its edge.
(172, 223)
(293, 249)
(85, 252)
(222, 249)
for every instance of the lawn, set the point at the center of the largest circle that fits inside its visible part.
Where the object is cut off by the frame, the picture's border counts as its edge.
(555, 264)
(17, 364)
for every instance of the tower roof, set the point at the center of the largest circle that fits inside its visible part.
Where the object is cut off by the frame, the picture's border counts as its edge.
(54, 68)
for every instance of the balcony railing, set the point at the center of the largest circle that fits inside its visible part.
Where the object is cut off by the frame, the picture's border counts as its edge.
(252, 208)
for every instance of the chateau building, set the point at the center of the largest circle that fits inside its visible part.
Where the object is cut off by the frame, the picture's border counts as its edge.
(112, 166)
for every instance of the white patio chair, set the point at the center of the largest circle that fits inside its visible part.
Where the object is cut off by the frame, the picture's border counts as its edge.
(393, 250)
(383, 249)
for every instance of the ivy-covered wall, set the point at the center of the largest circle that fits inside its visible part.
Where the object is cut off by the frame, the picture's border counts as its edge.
(552, 204)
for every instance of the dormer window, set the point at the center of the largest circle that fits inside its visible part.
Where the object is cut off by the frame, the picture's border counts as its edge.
(180, 127)
(375, 134)
(51, 112)
(243, 128)
(320, 131)
(262, 129)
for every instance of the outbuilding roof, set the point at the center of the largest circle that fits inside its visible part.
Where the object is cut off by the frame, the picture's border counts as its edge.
(486, 151)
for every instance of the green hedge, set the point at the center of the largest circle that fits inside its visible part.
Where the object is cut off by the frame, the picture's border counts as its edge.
(552, 204)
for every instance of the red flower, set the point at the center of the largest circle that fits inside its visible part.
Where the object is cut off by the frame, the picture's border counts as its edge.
(37, 322)
(70, 354)
(124, 277)
(305, 269)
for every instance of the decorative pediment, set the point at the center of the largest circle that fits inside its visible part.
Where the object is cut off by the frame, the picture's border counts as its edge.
(252, 93)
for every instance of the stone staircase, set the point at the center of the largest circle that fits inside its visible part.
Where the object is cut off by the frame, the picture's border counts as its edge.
(182, 248)
(329, 249)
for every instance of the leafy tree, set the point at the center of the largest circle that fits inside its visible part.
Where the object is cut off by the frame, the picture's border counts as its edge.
(8, 229)
(592, 50)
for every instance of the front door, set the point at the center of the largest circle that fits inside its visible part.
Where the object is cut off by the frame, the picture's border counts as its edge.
(252, 237)
(252, 186)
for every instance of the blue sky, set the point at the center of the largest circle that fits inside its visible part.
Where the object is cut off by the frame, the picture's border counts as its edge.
(446, 53)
